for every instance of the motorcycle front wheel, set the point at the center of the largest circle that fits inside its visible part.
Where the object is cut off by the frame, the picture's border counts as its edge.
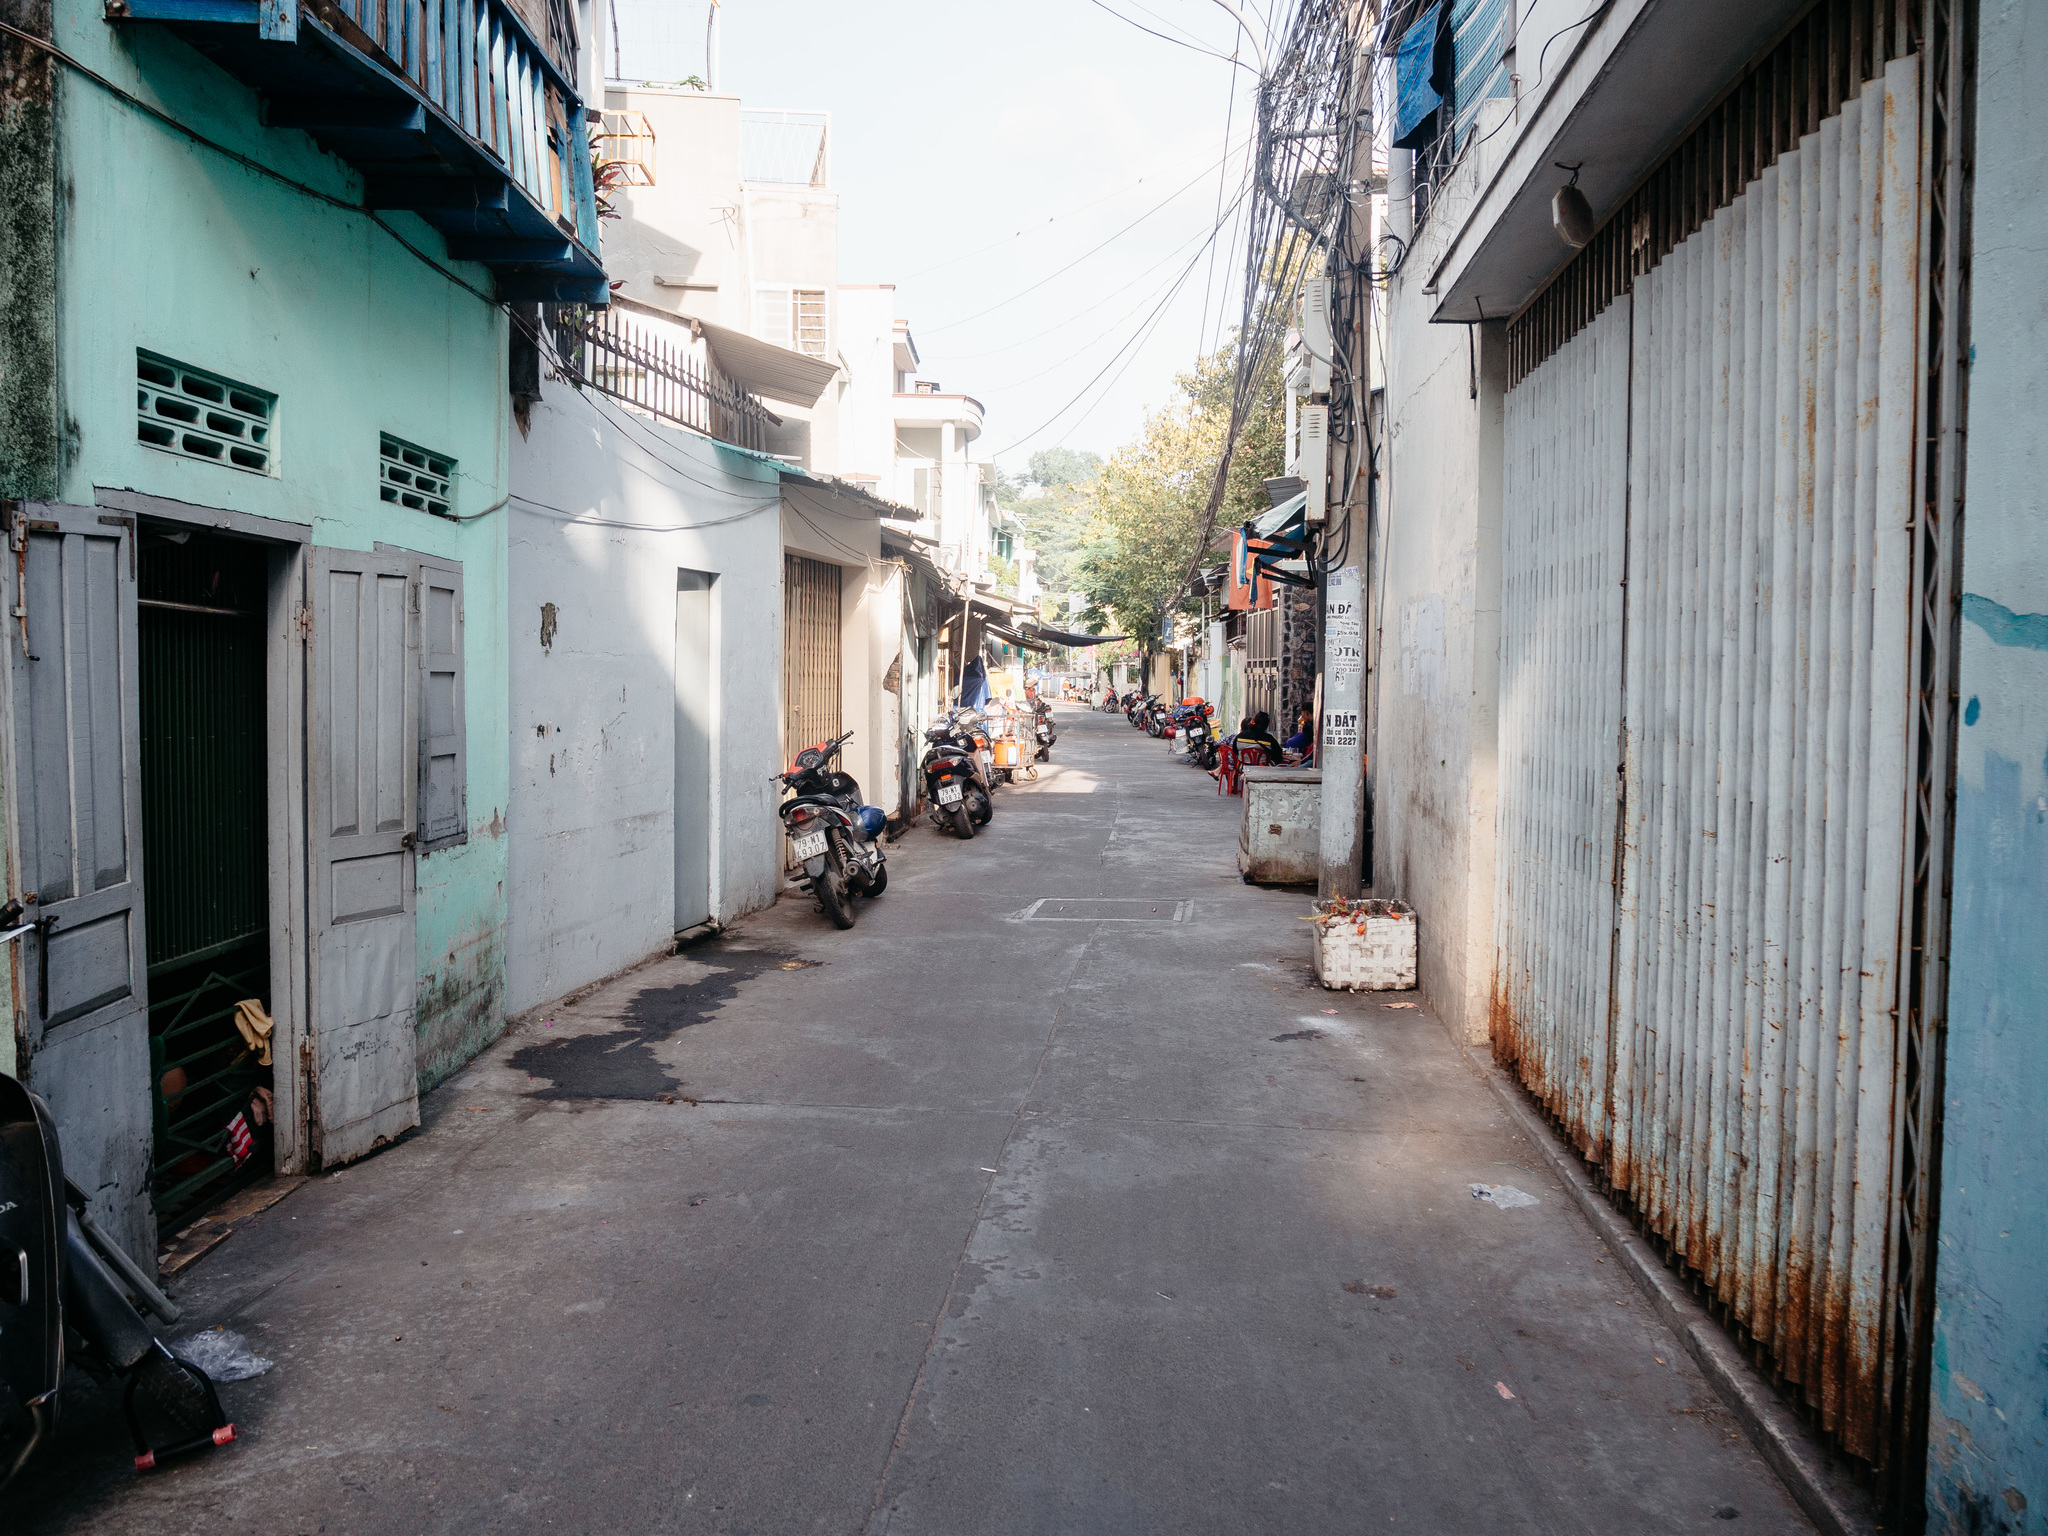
(877, 883)
(963, 826)
(833, 894)
(983, 808)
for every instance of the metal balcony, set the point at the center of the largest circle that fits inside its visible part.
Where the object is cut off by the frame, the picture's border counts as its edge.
(450, 109)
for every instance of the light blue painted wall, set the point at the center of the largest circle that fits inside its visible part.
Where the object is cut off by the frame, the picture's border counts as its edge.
(168, 245)
(1988, 1464)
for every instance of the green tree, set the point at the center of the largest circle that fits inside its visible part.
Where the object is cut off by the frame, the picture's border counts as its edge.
(1151, 498)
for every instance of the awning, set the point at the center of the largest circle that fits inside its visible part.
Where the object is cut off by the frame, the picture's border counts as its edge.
(772, 372)
(1068, 637)
(1005, 633)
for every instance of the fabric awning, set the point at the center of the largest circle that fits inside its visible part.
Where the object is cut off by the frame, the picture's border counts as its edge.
(1068, 637)
(1005, 633)
(772, 372)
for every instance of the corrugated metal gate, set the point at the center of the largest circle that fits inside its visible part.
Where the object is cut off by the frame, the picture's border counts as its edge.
(1738, 1086)
(1562, 529)
(810, 652)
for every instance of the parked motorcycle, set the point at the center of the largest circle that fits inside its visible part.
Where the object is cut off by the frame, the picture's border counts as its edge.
(1154, 717)
(1135, 705)
(956, 776)
(1197, 731)
(58, 1274)
(831, 833)
(1042, 731)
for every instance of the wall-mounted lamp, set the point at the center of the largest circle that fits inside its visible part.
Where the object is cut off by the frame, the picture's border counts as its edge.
(1570, 214)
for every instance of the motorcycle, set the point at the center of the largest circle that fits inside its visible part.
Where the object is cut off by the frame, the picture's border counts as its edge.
(1154, 717)
(956, 775)
(1135, 705)
(831, 833)
(1197, 731)
(1042, 731)
(58, 1272)
(1111, 704)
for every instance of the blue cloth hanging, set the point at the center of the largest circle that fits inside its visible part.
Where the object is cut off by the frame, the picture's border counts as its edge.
(1416, 97)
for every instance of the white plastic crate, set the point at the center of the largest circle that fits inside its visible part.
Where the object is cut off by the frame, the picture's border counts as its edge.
(1369, 948)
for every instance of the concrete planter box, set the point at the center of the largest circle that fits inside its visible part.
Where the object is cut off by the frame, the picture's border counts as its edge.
(1280, 840)
(1379, 959)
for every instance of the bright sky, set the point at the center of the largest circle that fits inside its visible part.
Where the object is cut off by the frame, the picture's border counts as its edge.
(981, 147)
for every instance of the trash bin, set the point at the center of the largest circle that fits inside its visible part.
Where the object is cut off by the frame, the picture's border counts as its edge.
(1280, 840)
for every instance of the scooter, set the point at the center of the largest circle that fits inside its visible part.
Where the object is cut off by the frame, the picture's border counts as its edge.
(1042, 731)
(955, 779)
(831, 833)
(1196, 725)
(63, 1302)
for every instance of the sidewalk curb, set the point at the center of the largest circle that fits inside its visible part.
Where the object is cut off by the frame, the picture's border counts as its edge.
(1828, 1495)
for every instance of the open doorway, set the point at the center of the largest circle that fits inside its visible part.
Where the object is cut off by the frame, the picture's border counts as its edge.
(202, 646)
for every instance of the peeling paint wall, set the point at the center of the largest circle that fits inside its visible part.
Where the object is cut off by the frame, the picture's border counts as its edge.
(592, 619)
(1436, 616)
(1988, 1452)
(164, 244)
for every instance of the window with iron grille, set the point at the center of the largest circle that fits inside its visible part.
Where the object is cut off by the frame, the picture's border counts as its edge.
(415, 477)
(200, 415)
(808, 313)
(792, 318)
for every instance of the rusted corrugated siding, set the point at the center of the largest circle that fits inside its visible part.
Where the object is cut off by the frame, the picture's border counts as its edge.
(1561, 612)
(1744, 1102)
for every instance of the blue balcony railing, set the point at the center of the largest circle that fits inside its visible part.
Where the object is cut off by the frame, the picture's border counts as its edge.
(450, 109)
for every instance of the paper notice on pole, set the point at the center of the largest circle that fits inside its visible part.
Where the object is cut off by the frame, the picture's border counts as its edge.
(1343, 631)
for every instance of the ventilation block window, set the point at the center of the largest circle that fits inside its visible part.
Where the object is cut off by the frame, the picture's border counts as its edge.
(415, 477)
(200, 415)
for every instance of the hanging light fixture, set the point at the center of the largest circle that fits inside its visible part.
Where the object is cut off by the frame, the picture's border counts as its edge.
(1570, 214)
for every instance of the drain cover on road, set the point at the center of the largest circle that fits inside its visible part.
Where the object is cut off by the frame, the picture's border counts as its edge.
(1107, 909)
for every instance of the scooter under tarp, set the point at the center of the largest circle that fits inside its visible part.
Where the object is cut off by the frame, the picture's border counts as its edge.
(60, 1302)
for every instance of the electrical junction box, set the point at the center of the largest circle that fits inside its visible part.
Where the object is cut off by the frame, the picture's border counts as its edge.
(1318, 333)
(1315, 460)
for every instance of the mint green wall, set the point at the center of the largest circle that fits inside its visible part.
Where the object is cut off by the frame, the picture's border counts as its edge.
(168, 245)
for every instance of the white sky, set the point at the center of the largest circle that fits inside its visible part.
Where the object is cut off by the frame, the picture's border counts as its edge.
(970, 125)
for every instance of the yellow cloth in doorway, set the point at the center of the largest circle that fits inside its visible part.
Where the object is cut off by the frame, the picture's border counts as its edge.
(255, 1026)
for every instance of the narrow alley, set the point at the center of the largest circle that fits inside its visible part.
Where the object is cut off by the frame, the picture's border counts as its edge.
(1053, 1197)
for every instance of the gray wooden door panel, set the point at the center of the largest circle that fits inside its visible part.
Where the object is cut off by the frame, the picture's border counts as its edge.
(365, 771)
(71, 679)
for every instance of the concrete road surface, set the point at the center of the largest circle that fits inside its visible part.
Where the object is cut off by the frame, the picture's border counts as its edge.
(1052, 1198)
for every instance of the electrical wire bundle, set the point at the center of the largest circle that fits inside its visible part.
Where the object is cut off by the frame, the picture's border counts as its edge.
(1313, 122)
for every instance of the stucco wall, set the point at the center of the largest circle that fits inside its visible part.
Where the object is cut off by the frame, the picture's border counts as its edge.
(1988, 1464)
(592, 829)
(167, 245)
(1437, 643)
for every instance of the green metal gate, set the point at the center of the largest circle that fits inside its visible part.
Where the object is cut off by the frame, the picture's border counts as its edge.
(205, 866)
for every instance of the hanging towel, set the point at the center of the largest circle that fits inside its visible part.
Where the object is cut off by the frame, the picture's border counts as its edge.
(255, 1026)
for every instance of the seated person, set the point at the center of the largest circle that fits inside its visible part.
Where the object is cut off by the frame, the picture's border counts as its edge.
(1303, 741)
(1258, 732)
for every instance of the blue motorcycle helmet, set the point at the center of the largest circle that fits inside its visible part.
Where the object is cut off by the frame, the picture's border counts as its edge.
(873, 820)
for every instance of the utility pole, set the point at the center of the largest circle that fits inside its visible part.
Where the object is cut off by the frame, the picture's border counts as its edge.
(711, 48)
(1337, 353)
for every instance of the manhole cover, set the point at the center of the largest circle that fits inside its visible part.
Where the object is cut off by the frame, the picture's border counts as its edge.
(1107, 909)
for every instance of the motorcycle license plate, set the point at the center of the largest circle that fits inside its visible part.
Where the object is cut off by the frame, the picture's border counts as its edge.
(1043, 734)
(810, 846)
(949, 794)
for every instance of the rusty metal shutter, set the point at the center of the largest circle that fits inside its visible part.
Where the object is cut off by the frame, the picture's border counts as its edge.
(810, 652)
(1563, 524)
(1743, 1097)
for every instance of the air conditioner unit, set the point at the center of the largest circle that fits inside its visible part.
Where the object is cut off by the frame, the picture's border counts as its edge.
(1315, 460)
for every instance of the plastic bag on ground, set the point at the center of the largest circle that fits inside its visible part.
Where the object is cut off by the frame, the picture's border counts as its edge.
(1504, 1196)
(224, 1356)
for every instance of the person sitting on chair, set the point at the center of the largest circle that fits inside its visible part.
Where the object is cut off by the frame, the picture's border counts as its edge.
(1258, 732)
